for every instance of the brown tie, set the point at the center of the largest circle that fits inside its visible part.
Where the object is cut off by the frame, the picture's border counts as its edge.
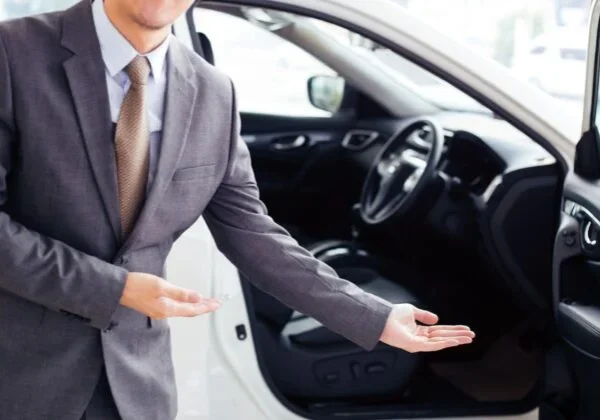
(132, 144)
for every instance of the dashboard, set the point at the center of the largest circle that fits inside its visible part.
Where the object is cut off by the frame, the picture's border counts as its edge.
(501, 198)
(471, 162)
(501, 192)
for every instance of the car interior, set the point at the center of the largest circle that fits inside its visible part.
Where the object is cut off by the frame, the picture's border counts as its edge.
(455, 213)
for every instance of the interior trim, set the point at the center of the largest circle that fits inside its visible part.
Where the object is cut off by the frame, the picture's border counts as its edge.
(516, 278)
(372, 136)
(580, 326)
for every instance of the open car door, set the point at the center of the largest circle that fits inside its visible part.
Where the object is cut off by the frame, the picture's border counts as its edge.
(576, 271)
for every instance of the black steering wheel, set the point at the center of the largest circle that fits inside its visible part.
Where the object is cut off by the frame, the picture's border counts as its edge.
(402, 170)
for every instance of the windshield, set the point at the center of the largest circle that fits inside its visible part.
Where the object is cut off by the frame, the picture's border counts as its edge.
(529, 38)
(434, 89)
(541, 41)
(418, 80)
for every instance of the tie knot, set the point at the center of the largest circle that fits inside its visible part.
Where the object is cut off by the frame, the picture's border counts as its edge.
(138, 70)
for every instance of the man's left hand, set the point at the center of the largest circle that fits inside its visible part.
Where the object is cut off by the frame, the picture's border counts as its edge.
(402, 331)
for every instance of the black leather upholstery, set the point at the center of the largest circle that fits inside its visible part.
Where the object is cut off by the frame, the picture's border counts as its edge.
(309, 332)
(205, 47)
(306, 359)
(580, 325)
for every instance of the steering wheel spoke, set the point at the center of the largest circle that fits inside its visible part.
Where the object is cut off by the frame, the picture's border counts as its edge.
(381, 196)
(413, 180)
(413, 159)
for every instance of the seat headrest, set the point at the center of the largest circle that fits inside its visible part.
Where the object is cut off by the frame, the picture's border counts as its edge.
(206, 50)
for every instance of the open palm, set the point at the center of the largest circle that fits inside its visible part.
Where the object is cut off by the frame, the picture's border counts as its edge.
(404, 330)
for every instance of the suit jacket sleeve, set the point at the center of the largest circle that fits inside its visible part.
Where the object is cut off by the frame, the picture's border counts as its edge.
(38, 268)
(274, 262)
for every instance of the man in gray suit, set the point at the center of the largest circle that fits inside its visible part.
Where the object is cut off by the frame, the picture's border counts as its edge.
(114, 139)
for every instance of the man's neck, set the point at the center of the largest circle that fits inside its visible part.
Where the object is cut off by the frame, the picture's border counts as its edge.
(142, 39)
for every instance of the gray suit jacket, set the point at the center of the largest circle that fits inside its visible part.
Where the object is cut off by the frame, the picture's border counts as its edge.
(62, 262)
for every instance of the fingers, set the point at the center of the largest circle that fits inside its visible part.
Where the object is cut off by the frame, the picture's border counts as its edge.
(172, 308)
(195, 309)
(440, 343)
(450, 333)
(180, 302)
(425, 317)
(437, 345)
(458, 340)
(449, 327)
(180, 294)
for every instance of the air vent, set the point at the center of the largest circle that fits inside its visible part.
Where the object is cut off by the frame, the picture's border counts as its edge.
(359, 139)
(422, 138)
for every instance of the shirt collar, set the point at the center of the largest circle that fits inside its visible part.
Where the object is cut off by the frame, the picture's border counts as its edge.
(117, 52)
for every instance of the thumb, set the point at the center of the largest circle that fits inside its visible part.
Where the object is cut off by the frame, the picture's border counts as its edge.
(425, 317)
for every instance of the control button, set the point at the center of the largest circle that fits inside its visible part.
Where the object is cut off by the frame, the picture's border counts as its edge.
(569, 237)
(331, 377)
(355, 369)
(375, 369)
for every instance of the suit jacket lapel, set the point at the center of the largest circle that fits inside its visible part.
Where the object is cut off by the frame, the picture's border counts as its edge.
(179, 106)
(87, 81)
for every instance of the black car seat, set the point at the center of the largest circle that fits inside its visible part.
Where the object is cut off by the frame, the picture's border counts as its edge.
(204, 48)
(307, 360)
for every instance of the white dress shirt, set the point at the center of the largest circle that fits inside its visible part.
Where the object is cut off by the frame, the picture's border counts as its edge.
(117, 53)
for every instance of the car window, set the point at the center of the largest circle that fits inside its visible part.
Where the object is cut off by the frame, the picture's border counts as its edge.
(270, 74)
(517, 34)
(11, 9)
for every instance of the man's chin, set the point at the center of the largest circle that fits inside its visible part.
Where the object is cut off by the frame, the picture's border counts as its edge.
(153, 24)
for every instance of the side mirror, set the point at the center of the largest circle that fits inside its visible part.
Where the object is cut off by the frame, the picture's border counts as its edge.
(326, 92)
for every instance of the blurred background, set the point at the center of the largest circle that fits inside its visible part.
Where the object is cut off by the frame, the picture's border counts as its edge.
(541, 41)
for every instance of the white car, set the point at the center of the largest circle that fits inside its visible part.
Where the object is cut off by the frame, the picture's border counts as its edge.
(491, 220)
(555, 62)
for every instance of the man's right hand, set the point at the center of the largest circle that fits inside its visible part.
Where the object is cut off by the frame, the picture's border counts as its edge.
(159, 299)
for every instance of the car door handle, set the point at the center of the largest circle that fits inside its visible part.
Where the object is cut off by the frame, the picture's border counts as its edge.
(289, 143)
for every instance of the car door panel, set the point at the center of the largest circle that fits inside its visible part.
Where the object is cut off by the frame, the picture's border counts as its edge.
(577, 270)
(576, 266)
(300, 170)
(281, 160)
(580, 325)
(576, 289)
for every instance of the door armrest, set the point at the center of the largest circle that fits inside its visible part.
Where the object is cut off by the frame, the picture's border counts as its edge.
(579, 324)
